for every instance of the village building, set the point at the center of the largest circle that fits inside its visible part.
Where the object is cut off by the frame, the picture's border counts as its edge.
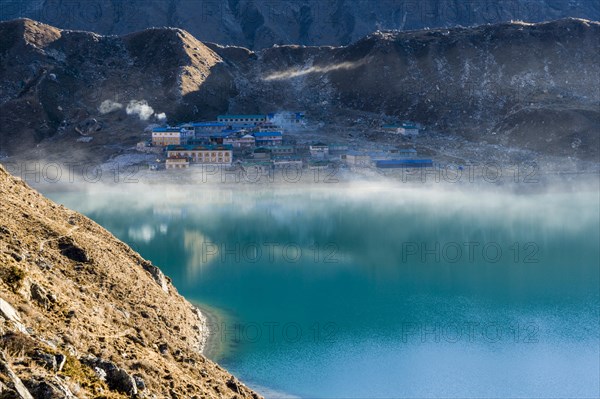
(338, 151)
(268, 127)
(204, 127)
(404, 163)
(164, 136)
(200, 140)
(246, 127)
(248, 119)
(247, 141)
(176, 162)
(392, 128)
(357, 158)
(282, 150)
(237, 141)
(262, 153)
(219, 137)
(302, 147)
(320, 165)
(288, 163)
(409, 129)
(319, 150)
(268, 138)
(206, 154)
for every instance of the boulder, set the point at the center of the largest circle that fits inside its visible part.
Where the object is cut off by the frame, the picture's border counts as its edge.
(19, 388)
(40, 295)
(45, 360)
(157, 275)
(43, 390)
(116, 378)
(8, 312)
(139, 382)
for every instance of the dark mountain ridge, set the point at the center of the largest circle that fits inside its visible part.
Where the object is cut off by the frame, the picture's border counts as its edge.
(258, 24)
(533, 86)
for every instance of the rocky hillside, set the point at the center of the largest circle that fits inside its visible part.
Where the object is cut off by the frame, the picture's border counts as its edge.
(533, 86)
(82, 315)
(259, 24)
(78, 83)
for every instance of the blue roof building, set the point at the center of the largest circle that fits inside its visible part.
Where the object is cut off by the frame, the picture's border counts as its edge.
(241, 116)
(404, 163)
(267, 134)
(208, 124)
(167, 129)
(254, 119)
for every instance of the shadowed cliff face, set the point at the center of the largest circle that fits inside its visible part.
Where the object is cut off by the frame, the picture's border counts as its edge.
(259, 24)
(520, 85)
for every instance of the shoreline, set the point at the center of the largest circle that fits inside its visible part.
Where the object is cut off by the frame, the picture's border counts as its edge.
(213, 348)
(216, 350)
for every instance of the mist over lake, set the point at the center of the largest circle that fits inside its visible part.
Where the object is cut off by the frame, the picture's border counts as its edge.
(377, 290)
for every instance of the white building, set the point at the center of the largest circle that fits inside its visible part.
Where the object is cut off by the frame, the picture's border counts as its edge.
(357, 158)
(319, 150)
(177, 163)
(245, 141)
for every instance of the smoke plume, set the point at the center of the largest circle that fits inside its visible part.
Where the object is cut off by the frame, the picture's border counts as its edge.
(296, 72)
(109, 106)
(140, 108)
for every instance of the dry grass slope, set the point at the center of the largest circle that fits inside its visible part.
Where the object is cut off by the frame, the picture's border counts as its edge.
(82, 314)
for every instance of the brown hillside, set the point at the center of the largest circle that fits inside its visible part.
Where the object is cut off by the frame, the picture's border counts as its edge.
(82, 314)
(54, 82)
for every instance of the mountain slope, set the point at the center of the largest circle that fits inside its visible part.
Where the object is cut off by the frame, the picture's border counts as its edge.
(259, 24)
(55, 82)
(82, 314)
(533, 86)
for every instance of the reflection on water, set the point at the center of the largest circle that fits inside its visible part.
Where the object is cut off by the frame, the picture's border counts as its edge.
(373, 291)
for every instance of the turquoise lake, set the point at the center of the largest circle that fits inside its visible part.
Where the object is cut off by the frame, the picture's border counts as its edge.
(378, 291)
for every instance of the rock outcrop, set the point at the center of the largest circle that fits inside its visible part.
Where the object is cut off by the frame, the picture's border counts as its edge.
(83, 315)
